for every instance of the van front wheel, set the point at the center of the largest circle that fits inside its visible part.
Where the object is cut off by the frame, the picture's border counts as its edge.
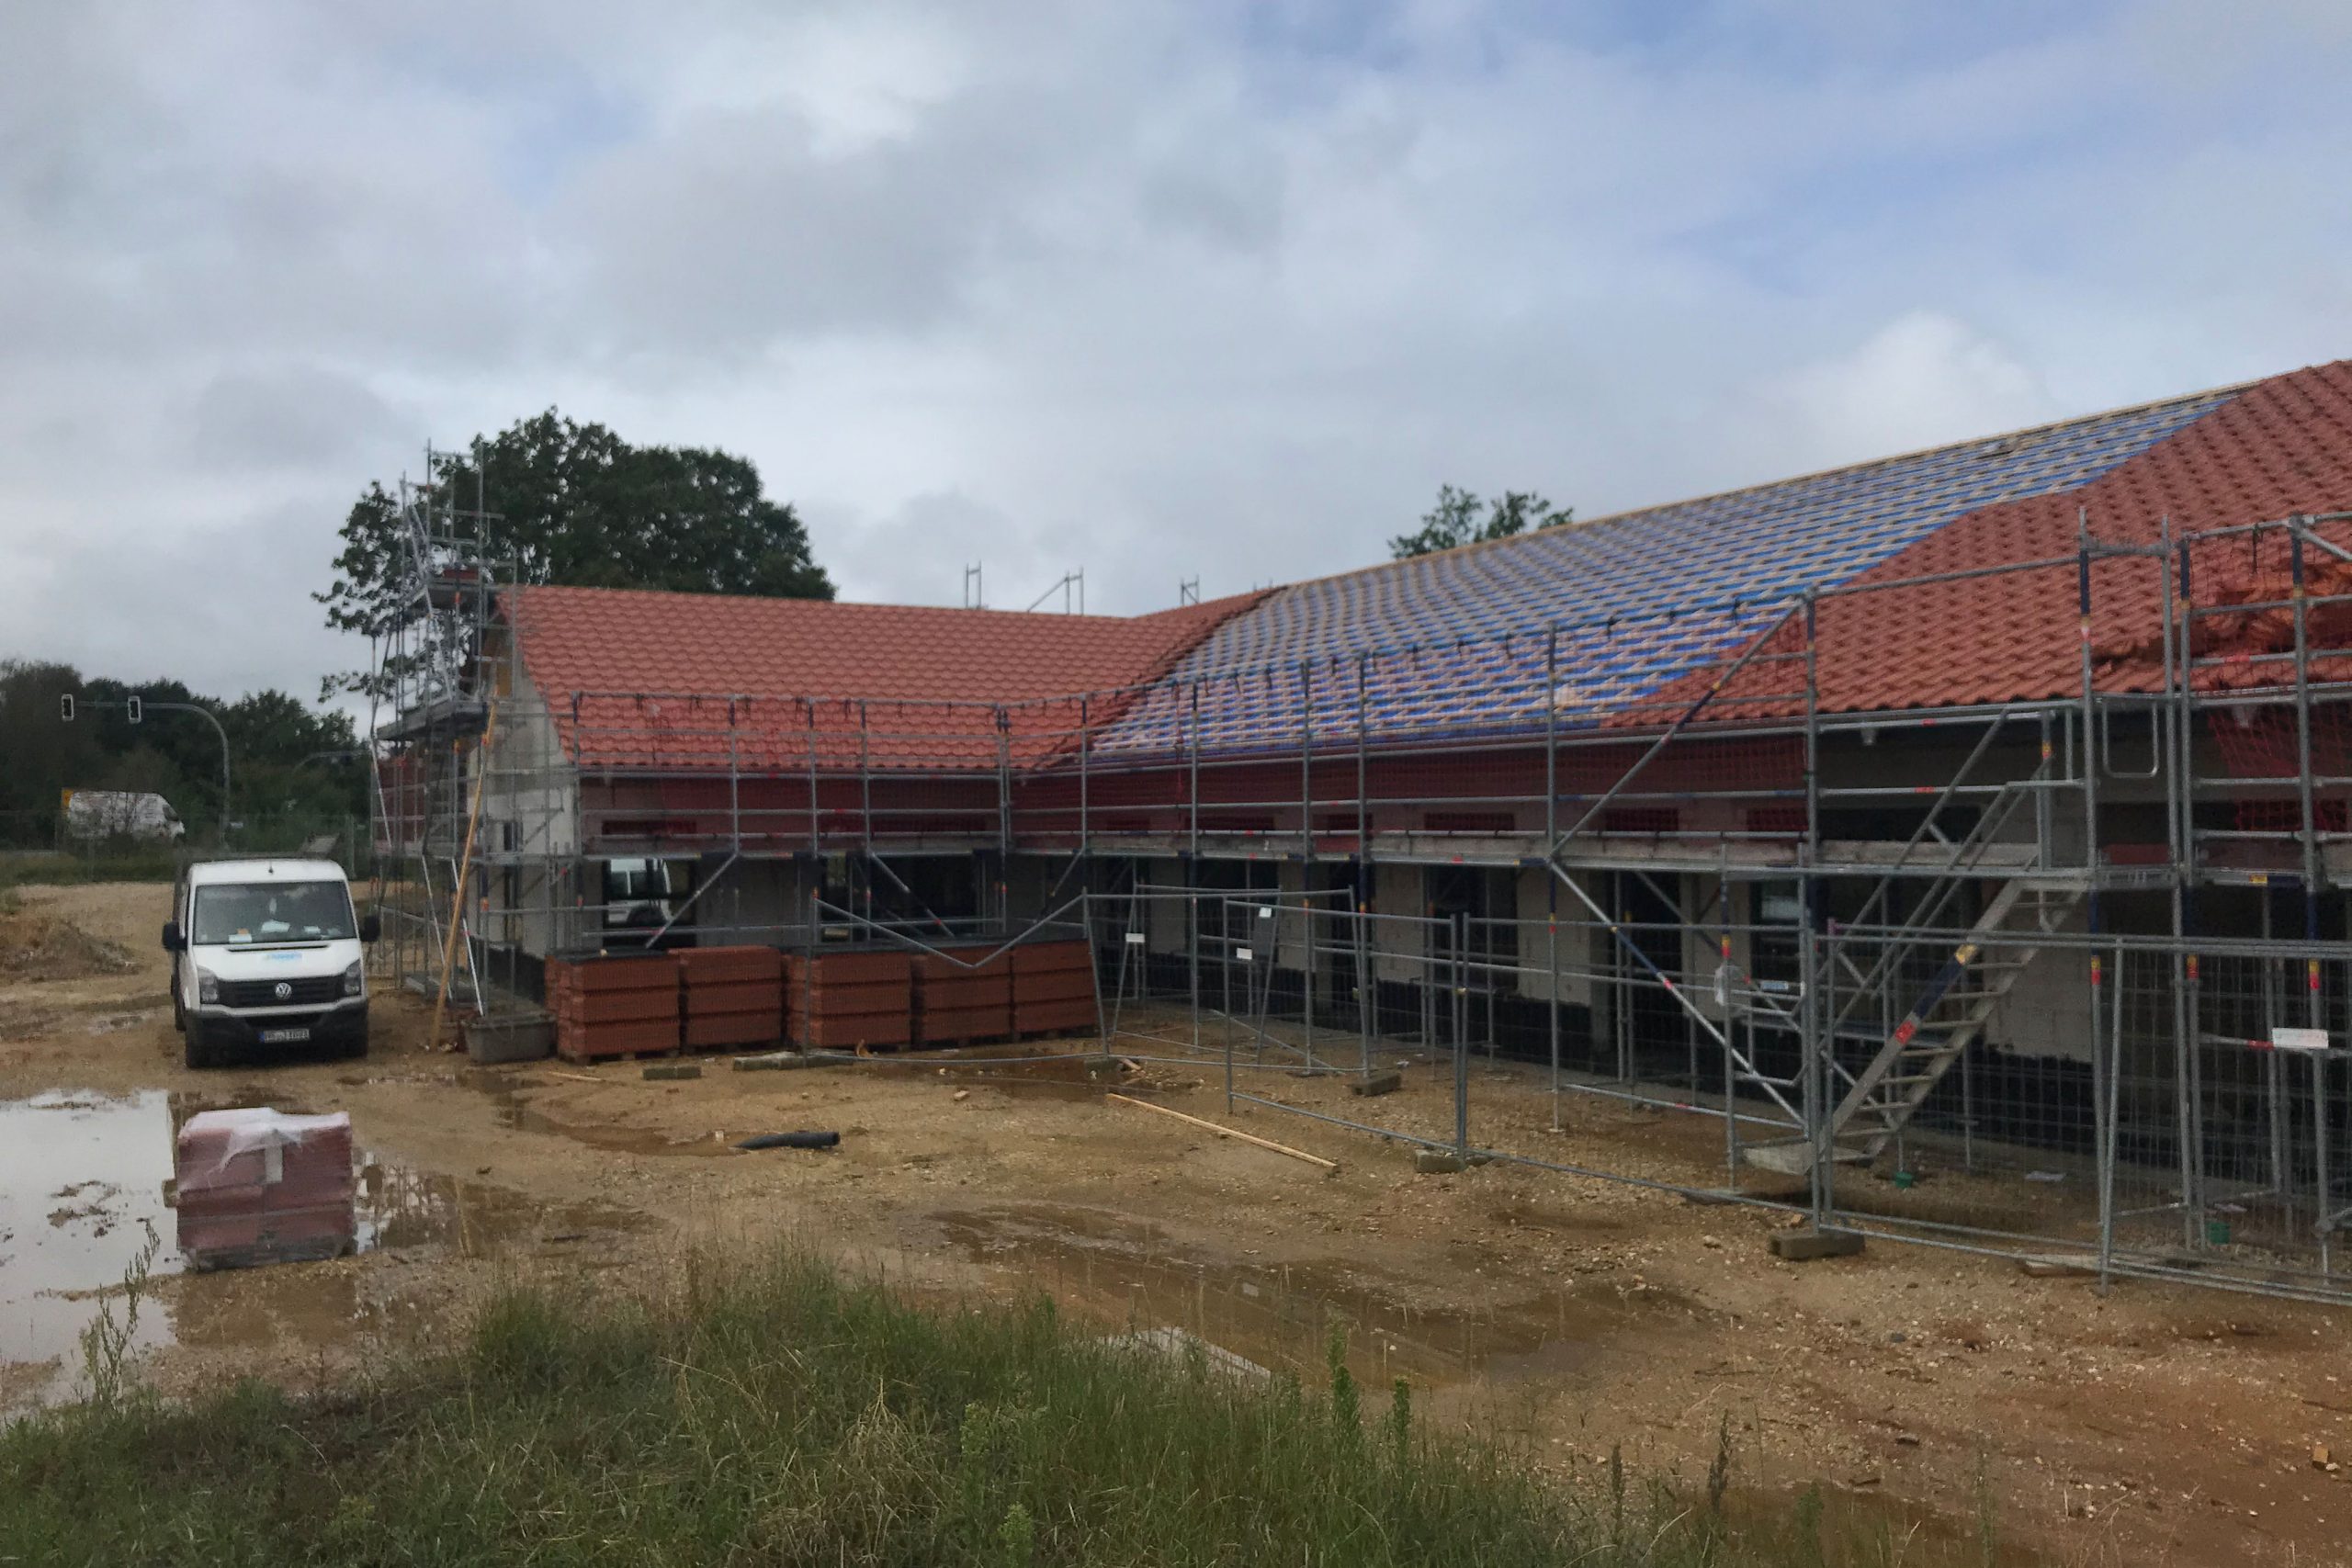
(199, 1051)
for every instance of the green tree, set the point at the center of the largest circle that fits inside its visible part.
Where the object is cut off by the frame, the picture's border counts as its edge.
(295, 765)
(574, 503)
(42, 755)
(289, 762)
(1456, 520)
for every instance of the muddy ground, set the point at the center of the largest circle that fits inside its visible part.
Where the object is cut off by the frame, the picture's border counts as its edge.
(2159, 1423)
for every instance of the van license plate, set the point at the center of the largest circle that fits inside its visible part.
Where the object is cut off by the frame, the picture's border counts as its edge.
(284, 1036)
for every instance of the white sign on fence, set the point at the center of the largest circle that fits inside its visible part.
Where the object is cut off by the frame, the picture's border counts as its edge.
(2299, 1039)
(1134, 939)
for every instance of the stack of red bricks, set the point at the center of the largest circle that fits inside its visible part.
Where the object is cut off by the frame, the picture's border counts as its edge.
(1053, 988)
(842, 1000)
(963, 994)
(615, 1005)
(732, 996)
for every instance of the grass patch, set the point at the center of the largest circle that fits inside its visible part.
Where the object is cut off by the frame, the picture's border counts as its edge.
(54, 868)
(776, 1413)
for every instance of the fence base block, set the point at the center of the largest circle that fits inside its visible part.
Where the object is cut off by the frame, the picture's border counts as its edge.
(1804, 1246)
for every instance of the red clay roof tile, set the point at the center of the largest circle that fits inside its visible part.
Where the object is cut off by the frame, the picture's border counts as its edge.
(2280, 448)
(637, 678)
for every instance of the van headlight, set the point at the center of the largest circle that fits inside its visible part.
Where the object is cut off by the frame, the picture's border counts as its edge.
(355, 980)
(207, 988)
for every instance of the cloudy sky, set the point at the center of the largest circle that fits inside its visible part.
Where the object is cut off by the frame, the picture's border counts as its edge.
(1161, 290)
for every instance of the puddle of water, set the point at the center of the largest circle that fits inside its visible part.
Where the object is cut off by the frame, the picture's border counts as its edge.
(82, 1178)
(1125, 1275)
(78, 1175)
(505, 1095)
(1020, 1073)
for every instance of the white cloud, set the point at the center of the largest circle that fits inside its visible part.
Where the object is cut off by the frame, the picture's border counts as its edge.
(1157, 290)
(1919, 379)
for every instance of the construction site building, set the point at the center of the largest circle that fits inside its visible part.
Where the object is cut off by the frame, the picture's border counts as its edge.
(1964, 831)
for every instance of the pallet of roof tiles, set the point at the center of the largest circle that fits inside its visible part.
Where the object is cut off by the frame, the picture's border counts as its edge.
(1054, 988)
(844, 1000)
(618, 1005)
(732, 995)
(963, 994)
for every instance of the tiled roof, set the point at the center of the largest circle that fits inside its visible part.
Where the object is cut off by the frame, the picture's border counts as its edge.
(1642, 598)
(1616, 620)
(2283, 447)
(642, 679)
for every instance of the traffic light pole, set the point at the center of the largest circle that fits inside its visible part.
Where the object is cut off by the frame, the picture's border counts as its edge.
(137, 708)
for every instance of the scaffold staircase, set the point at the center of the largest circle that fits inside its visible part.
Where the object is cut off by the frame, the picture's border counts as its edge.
(1946, 1018)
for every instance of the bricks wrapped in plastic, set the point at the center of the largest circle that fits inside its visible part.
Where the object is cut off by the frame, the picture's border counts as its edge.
(259, 1186)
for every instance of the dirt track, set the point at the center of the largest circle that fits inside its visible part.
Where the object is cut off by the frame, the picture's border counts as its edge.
(2159, 1423)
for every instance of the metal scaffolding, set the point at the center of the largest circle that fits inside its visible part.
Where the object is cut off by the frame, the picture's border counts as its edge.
(2061, 976)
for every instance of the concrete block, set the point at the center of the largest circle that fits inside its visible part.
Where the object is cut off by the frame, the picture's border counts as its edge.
(495, 1042)
(1436, 1162)
(1379, 1083)
(1804, 1246)
(674, 1070)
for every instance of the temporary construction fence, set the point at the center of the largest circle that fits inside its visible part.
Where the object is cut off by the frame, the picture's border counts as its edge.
(2221, 1164)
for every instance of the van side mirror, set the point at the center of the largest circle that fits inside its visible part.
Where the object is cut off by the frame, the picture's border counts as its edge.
(173, 940)
(371, 926)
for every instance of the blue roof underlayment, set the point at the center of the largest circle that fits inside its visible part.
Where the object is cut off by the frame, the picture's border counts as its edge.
(1638, 599)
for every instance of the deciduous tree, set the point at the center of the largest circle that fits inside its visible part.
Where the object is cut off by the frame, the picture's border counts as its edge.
(1456, 520)
(574, 503)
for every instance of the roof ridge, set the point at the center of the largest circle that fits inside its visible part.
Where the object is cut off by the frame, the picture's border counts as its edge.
(778, 599)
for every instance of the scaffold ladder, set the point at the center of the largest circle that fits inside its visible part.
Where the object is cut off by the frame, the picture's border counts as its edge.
(1949, 1014)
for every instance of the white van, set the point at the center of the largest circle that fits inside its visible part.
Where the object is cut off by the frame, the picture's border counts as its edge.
(268, 953)
(93, 815)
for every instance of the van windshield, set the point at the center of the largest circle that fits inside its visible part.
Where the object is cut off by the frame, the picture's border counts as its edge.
(240, 914)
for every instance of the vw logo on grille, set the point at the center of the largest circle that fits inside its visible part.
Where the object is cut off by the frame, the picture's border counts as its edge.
(284, 992)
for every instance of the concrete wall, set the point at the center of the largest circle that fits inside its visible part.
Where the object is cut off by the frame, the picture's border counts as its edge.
(534, 789)
(1398, 890)
(768, 894)
(1712, 909)
(1167, 920)
(529, 809)
(1033, 885)
(1577, 941)
(2048, 1011)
